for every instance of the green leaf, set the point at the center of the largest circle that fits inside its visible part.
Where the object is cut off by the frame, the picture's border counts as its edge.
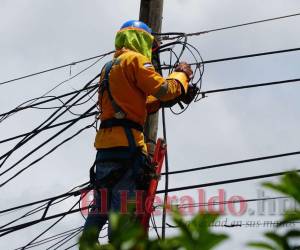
(290, 217)
(261, 245)
(293, 233)
(197, 233)
(289, 185)
(281, 241)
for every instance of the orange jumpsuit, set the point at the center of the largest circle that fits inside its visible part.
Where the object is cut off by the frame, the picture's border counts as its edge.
(133, 84)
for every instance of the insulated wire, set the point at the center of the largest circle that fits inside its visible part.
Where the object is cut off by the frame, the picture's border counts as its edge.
(164, 67)
(268, 157)
(65, 240)
(55, 223)
(51, 98)
(71, 106)
(203, 93)
(205, 204)
(166, 36)
(56, 68)
(166, 175)
(57, 85)
(207, 92)
(35, 132)
(154, 226)
(33, 222)
(69, 193)
(33, 211)
(51, 238)
(50, 202)
(249, 178)
(40, 158)
(52, 126)
(273, 52)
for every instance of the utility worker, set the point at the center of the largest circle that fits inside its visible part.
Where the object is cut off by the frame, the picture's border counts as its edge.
(129, 89)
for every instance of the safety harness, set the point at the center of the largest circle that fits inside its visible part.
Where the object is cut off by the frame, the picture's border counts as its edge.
(146, 171)
(120, 121)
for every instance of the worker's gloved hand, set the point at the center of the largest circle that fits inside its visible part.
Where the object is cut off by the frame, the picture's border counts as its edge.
(185, 68)
(192, 91)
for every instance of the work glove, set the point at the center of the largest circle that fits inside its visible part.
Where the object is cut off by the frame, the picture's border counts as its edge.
(192, 91)
(185, 68)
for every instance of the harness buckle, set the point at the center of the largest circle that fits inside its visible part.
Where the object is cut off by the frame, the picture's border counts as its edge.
(120, 115)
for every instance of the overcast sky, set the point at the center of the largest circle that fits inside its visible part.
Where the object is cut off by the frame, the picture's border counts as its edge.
(36, 35)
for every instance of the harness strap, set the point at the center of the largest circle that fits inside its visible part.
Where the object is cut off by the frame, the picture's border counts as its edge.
(122, 123)
(119, 113)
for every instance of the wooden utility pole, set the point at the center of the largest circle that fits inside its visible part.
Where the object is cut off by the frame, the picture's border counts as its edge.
(151, 14)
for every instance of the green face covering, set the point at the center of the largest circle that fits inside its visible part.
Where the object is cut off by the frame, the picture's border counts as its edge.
(136, 40)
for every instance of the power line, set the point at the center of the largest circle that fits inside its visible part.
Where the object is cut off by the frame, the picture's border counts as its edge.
(44, 207)
(56, 68)
(268, 157)
(52, 238)
(72, 193)
(52, 126)
(203, 93)
(51, 226)
(205, 204)
(51, 98)
(274, 52)
(41, 145)
(167, 37)
(31, 223)
(226, 181)
(52, 116)
(65, 240)
(164, 37)
(249, 224)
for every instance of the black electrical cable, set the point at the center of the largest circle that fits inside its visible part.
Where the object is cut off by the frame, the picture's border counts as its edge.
(268, 157)
(163, 233)
(69, 193)
(164, 67)
(198, 63)
(50, 99)
(41, 145)
(274, 52)
(249, 178)
(52, 126)
(75, 244)
(203, 93)
(27, 138)
(69, 79)
(239, 224)
(71, 106)
(65, 240)
(166, 36)
(57, 85)
(51, 238)
(55, 223)
(205, 204)
(56, 68)
(35, 131)
(31, 223)
(199, 70)
(154, 226)
(35, 210)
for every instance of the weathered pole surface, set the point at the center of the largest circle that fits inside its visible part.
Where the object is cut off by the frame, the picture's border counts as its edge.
(151, 14)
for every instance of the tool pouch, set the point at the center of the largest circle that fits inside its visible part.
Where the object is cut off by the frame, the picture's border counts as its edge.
(146, 172)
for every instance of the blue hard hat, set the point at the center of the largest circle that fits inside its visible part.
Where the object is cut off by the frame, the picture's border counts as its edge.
(137, 24)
